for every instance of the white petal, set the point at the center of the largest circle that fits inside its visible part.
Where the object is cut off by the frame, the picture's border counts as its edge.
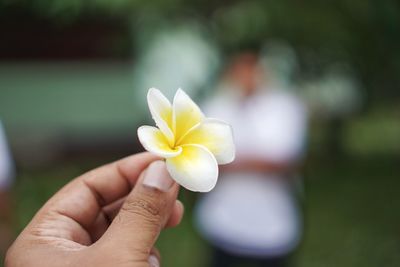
(154, 141)
(216, 136)
(195, 168)
(161, 111)
(186, 114)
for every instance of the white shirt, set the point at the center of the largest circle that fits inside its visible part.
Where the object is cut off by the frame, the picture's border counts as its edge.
(252, 213)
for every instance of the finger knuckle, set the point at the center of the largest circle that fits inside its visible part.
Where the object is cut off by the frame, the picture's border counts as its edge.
(146, 209)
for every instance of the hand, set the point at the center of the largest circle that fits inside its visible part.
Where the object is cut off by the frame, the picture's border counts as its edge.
(110, 216)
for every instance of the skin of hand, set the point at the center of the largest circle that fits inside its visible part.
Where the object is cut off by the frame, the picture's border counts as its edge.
(110, 216)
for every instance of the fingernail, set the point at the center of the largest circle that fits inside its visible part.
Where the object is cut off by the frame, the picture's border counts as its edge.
(157, 176)
(153, 261)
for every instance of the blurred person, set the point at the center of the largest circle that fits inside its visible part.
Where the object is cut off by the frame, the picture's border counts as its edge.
(110, 216)
(252, 215)
(6, 180)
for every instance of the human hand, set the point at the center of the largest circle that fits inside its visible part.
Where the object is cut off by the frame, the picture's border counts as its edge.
(110, 216)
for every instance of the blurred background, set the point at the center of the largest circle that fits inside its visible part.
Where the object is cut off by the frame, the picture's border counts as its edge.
(74, 75)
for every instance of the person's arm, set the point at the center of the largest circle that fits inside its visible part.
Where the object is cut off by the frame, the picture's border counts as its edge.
(261, 165)
(286, 156)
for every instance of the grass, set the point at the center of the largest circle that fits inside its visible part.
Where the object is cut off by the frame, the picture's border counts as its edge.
(350, 212)
(351, 217)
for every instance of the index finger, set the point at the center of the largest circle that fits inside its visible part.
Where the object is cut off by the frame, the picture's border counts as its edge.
(83, 198)
(115, 180)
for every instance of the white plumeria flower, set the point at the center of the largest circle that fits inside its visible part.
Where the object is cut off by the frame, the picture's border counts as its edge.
(192, 144)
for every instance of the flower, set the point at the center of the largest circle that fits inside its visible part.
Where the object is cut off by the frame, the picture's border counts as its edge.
(191, 144)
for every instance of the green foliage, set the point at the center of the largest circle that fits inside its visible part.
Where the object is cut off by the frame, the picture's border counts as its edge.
(365, 34)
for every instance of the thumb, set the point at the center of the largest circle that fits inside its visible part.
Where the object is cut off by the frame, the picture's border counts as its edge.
(144, 213)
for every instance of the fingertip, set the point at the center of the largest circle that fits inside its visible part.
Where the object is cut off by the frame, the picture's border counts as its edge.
(176, 214)
(180, 207)
(157, 177)
(132, 166)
